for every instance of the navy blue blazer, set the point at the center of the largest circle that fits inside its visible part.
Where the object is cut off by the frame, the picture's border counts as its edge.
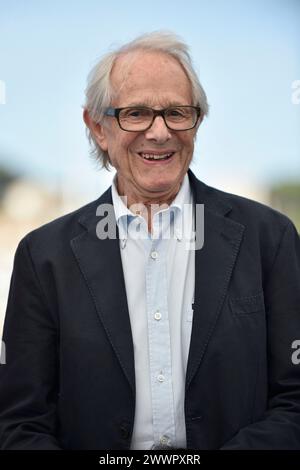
(69, 379)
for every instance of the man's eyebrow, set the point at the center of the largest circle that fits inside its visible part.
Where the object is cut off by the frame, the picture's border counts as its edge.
(139, 104)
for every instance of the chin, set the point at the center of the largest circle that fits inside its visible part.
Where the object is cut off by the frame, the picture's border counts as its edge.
(160, 186)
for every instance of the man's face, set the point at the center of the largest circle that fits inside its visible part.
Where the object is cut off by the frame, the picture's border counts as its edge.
(158, 81)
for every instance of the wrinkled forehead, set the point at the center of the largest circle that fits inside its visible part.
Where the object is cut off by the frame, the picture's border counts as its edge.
(153, 71)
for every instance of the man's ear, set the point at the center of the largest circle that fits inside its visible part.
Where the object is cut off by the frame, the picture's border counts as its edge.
(197, 126)
(98, 130)
(199, 121)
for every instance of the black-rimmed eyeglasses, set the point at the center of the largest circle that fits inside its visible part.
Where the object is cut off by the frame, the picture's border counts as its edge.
(139, 119)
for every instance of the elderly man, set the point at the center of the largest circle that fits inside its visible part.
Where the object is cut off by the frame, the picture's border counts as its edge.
(141, 340)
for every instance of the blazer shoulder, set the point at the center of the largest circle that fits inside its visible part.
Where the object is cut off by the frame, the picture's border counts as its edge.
(264, 226)
(55, 236)
(248, 211)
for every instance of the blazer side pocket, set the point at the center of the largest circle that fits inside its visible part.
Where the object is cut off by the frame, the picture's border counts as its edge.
(247, 305)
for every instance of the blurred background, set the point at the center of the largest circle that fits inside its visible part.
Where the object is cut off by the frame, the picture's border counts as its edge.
(247, 55)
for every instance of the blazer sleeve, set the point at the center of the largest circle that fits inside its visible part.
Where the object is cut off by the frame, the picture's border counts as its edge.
(28, 378)
(279, 427)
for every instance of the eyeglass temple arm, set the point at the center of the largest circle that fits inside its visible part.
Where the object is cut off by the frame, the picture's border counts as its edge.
(111, 112)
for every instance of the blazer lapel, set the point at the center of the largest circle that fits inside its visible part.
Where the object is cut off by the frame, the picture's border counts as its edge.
(101, 266)
(214, 263)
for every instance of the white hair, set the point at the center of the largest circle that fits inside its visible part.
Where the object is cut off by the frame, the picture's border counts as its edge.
(99, 90)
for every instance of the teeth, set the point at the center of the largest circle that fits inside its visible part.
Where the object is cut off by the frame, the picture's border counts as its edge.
(149, 156)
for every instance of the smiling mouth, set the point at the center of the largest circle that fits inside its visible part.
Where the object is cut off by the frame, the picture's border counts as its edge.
(156, 157)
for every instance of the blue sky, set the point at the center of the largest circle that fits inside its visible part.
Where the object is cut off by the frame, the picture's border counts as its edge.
(247, 54)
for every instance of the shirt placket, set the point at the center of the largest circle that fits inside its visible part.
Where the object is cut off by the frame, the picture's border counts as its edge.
(159, 343)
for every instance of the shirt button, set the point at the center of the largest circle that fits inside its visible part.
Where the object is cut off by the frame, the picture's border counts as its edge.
(160, 378)
(157, 315)
(154, 255)
(164, 440)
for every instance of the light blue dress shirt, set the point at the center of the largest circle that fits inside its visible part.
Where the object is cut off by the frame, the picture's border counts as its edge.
(159, 272)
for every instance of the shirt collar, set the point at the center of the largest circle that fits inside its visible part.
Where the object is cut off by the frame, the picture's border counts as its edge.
(122, 213)
(182, 201)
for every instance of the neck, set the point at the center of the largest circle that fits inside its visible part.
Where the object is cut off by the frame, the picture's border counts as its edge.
(147, 205)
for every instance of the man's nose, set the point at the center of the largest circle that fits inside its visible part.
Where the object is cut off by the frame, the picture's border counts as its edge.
(158, 131)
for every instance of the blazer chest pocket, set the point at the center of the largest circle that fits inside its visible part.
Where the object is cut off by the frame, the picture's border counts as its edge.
(247, 305)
